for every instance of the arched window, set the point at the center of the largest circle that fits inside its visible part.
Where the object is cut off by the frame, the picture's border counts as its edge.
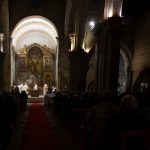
(122, 80)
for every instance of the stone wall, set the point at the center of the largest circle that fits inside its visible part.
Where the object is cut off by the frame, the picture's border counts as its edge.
(127, 39)
(5, 30)
(64, 74)
(49, 9)
(141, 57)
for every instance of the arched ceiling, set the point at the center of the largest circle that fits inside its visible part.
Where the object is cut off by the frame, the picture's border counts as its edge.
(135, 8)
(34, 29)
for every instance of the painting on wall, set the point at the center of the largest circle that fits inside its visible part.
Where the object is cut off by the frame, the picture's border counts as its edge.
(21, 64)
(35, 60)
(47, 64)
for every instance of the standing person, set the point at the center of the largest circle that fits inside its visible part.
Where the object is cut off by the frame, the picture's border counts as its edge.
(45, 89)
(23, 100)
(48, 97)
(35, 87)
(25, 88)
(128, 118)
(20, 86)
(53, 88)
(99, 115)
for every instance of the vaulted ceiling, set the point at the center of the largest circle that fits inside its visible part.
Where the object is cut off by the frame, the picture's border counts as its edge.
(34, 29)
(70, 16)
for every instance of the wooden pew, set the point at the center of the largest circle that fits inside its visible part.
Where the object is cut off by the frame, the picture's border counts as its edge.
(125, 134)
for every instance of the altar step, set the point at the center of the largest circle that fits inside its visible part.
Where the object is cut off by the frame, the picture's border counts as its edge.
(40, 96)
(39, 99)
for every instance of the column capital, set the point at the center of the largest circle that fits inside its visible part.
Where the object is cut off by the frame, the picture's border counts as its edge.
(98, 30)
(1, 41)
(2, 54)
(114, 23)
(1, 36)
(71, 35)
(72, 40)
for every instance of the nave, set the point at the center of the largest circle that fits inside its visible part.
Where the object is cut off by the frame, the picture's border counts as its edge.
(38, 128)
(62, 123)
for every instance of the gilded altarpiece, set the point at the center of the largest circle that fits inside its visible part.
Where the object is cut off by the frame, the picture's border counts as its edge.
(35, 64)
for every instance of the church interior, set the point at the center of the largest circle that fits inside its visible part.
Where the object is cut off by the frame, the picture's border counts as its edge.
(85, 64)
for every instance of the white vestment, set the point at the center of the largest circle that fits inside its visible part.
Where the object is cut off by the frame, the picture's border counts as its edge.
(35, 87)
(45, 89)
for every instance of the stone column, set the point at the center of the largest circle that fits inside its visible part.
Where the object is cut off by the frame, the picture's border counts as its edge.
(72, 40)
(97, 56)
(1, 63)
(112, 53)
(2, 71)
(98, 62)
(100, 46)
(129, 79)
(1, 42)
(107, 54)
(78, 69)
(1, 15)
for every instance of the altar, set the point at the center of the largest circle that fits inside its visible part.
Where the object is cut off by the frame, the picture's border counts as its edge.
(35, 93)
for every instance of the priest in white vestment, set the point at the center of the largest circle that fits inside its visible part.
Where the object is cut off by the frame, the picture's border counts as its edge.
(45, 89)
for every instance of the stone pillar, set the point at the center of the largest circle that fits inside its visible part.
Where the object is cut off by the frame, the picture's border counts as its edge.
(72, 40)
(2, 71)
(97, 55)
(112, 52)
(78, 70)
(1, 63)
(1, 42)
(1, 15)
(108, 51)
(98, 63)
(100, 47)
(129, 79)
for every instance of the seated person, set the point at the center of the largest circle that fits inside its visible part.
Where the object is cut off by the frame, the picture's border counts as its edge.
(127, 119)
(99, 115)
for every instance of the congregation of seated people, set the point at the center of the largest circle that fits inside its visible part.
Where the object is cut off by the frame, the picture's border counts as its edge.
(102, 119)
(12, 104)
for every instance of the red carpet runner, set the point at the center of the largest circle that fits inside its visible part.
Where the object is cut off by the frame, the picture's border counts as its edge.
(38, 134)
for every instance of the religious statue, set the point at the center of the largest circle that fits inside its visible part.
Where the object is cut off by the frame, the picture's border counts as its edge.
(35, 64)
(35, 60)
